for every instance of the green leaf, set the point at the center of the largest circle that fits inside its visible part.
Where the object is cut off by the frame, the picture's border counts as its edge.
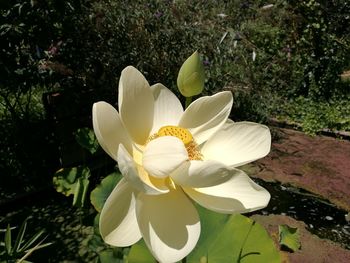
(80, 192)
(73, 181)
(8, 241)
(289, 237)
(100, 194)
(211, 223)
(107, 256)
(32, 240)
(36, 247)
(234, 238)
(139, 253)
(20, 236)
(87, 139)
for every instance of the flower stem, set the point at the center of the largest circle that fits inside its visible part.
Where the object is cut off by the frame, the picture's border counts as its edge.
(188, 102)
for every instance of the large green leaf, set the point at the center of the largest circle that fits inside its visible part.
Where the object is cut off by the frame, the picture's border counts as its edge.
(139, 253)
(100, 194)
(87, 139)
(73, 181)
(289, 237)
(232, 239)
(211, 225)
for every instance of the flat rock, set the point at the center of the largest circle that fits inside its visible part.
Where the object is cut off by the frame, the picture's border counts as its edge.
(318, 164)
(313, 249)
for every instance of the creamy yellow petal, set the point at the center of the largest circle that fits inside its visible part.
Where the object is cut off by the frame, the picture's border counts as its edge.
(136, 104)
(167, 108)
(238, 143)
(169, 225)
(109, 129)
(201, 174)
(118, 224)
(137, 176)
(163, 155)
(206, 115)
(237, 195)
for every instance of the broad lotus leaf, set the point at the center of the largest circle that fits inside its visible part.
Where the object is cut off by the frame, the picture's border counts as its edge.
(234, 238)
(139, 253)
(100, 194)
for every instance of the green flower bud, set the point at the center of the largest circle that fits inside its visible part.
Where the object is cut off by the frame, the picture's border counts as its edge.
(190, 80)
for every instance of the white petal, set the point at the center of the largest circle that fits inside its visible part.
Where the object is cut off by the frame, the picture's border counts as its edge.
(201, 174)
(163, 155)
(136, 104)
(137, 177)
(238, 143)
(237, 195)
(206, 115)
(118, 224)
(167, 107)
(109, 129)
(169, 225)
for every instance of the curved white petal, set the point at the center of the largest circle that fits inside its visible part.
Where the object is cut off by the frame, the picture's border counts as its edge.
(109, 129)
(201, 174)
(169, 225)
(206, 115)
(163, 155)
(237, 195)
(136, 104)
(238, 143)
(137, 177)
(167, 107)
(118, 224)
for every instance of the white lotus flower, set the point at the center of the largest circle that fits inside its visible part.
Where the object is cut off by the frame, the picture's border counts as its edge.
(169, 157)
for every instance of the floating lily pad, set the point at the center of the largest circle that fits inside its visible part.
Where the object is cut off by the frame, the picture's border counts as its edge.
(289, 237)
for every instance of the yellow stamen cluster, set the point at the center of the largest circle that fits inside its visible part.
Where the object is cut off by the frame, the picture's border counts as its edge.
(184, 135)
(181, 133)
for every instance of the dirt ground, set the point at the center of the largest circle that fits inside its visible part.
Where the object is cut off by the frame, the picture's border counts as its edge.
(318, 164)
(313, 249)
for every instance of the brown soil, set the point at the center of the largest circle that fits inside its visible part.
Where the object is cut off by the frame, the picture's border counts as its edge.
(318, 164)
(313, 249)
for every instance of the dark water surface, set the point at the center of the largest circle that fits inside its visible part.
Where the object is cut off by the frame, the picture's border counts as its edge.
(321, 217)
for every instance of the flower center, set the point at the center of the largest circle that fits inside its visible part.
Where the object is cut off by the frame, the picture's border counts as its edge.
(181, 133)
(184, 135)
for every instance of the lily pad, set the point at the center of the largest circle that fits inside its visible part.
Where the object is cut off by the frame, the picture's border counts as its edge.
(234, 238)
(100, 194)
(87, 139)
(289, 237)
(73, 181)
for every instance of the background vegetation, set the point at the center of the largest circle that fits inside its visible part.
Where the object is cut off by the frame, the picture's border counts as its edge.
(281, 59)
(300, 48)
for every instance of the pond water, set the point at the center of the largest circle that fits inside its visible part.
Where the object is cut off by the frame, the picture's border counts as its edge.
(321, 217)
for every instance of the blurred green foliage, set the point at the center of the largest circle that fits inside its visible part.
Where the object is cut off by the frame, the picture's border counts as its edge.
(281, 60)
(300, 47)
